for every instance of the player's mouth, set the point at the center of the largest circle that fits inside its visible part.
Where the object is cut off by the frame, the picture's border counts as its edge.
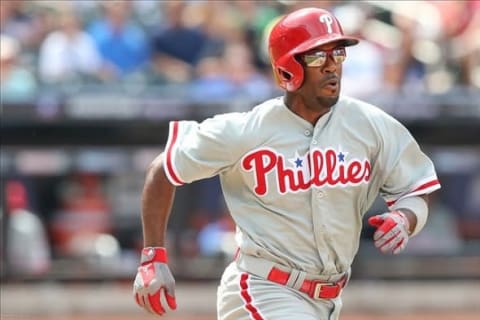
(331, 84)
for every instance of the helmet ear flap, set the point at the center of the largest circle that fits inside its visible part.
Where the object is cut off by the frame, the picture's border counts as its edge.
(284, 74)
(290, 75)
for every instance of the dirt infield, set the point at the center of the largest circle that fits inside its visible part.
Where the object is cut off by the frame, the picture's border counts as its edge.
(363, 300)
(416, 316)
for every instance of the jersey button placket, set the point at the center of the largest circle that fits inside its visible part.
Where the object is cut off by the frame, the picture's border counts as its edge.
(317, 198)
(319, 227)
(320, 202)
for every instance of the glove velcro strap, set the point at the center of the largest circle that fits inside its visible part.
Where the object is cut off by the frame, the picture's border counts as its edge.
(154, 254)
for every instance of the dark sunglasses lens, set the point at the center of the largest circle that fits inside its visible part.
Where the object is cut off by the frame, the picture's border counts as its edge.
(315, 60)
(339, 55)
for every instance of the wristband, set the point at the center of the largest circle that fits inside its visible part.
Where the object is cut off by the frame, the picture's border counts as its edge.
(419, 208)
(154, 254)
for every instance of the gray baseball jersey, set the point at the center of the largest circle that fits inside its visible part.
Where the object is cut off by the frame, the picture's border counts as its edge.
(298, 192)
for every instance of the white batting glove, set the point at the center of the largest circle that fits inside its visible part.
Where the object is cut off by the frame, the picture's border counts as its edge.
(154, 282)
(392, 233)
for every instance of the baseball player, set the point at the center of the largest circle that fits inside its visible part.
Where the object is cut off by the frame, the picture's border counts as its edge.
(298, 173)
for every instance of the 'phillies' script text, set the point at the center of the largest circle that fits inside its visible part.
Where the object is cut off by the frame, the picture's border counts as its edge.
(321, 168)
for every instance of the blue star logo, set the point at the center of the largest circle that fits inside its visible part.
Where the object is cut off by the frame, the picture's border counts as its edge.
(341, 157)
(299, 162)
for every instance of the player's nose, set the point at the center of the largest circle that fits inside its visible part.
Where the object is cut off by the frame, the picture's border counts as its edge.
(330, 65)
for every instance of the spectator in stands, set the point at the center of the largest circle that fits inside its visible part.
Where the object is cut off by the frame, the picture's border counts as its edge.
(233, 75)
(401, 66)
(122, 43)
(177, 47)
(471, 40)
(210, 80)
(216, 238)
(254, 17)
(242, 74)
(84, 214)
(461, 35)
(439, 43)
(361, 77)
(18, 84)
(454, 19)
(69, 54)
(27, 28)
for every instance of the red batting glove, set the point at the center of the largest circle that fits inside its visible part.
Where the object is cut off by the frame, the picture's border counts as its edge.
(391, 235)
(154, 282)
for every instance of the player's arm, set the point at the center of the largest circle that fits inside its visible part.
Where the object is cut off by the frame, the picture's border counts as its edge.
(157, 199)
(408, 175)
(154, 285)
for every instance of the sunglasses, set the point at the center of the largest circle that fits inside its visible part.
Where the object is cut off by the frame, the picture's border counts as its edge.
(318, 58)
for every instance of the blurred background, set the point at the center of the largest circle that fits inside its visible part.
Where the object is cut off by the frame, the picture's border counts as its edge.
(88, 88)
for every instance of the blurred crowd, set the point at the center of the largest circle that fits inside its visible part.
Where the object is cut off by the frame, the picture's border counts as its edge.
(218, 48)
(215, 50)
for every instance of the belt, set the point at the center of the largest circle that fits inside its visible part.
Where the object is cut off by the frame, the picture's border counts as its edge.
(315, 288)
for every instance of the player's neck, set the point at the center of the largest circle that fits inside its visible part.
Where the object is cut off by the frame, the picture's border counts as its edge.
(311, 112)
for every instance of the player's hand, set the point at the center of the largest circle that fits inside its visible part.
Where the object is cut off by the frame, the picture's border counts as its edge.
(154, 286)
(391, 235)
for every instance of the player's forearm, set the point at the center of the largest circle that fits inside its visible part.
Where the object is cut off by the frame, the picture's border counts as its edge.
(157, 199)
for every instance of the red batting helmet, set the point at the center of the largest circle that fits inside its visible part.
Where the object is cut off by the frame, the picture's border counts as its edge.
(299, 32)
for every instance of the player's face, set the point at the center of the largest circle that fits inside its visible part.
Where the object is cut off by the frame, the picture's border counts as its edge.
(322, 73)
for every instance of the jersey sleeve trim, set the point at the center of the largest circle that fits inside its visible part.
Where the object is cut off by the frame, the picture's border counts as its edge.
(423, 187)
(170, 169)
